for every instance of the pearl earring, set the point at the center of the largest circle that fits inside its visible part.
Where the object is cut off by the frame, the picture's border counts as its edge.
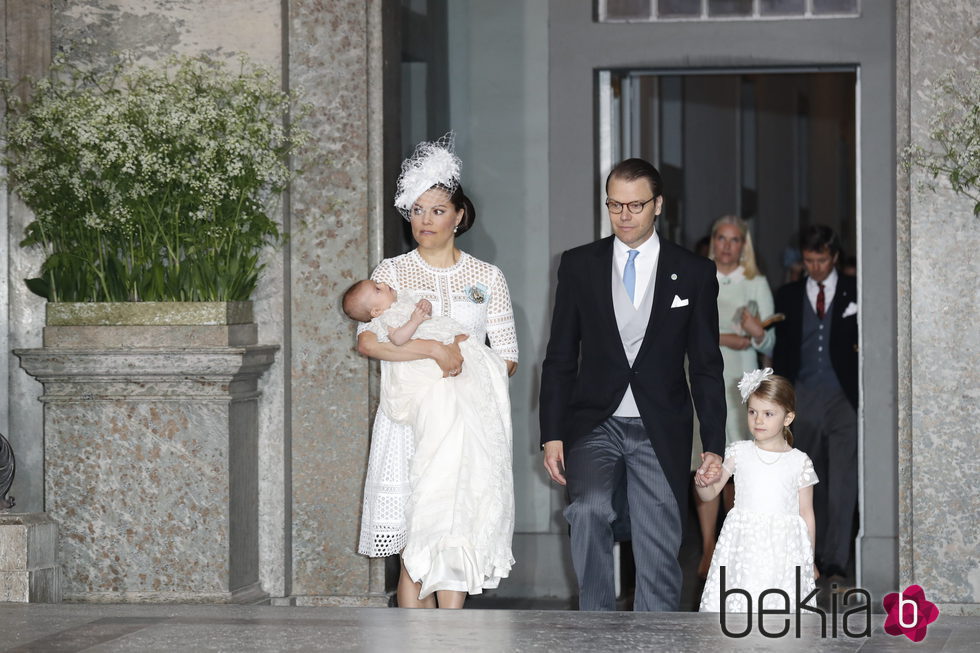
(456, 228)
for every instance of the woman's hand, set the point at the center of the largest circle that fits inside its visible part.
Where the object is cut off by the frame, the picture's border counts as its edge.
(448, 357)
(753, 326)
(511, 368)
(734, 341)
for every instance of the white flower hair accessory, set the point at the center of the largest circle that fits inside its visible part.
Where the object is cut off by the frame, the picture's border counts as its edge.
(431, 163)
(751, 381)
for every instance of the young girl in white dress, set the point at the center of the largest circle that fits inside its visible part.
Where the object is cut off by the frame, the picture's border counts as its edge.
(744, 303)
(768, 536)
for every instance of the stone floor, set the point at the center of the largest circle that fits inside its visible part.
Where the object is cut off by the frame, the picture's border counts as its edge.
(89, 627)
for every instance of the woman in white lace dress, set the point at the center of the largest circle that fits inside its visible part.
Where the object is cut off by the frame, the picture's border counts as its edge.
(475, 294)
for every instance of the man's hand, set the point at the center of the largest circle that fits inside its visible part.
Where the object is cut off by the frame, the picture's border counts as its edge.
(709, 471)
(554, 460)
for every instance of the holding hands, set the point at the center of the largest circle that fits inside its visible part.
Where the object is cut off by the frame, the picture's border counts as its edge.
(709, 471)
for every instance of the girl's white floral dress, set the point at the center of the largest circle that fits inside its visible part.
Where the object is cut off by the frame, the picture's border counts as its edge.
(764, 538)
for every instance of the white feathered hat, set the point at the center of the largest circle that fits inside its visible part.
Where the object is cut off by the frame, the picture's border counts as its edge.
(432, 163)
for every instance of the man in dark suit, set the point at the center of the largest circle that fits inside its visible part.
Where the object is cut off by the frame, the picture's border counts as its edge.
(614, 395)
(817, 349)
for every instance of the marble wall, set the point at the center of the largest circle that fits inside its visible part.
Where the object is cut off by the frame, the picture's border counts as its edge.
(27, 38)
(151, 30)
(313, 416)
(939, 306)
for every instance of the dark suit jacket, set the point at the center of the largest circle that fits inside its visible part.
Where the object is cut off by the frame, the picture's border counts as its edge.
(843, 334)
(586, 371)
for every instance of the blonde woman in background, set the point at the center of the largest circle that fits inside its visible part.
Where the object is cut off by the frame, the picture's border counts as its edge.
(744, 301)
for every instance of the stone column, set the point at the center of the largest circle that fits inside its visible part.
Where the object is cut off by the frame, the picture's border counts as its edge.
(939, 277)
(26, 27)
(151, 458)
(334, 54)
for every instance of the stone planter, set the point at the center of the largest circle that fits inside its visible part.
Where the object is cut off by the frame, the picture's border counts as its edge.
(29, 569)
(151, 448)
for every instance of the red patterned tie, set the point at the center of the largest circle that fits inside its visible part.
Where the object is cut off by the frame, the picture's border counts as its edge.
(820, 302)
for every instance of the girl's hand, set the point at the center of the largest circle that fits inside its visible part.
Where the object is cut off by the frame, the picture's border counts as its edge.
(423, 311)
(710, 469)
(709, 474)
(448, 357)
(752, 326)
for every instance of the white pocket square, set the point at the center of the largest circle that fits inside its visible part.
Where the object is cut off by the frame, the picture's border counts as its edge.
(678, 302)
(852, 309)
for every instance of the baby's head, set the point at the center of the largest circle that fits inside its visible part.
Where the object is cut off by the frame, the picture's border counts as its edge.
(367, 299)
(771, 403)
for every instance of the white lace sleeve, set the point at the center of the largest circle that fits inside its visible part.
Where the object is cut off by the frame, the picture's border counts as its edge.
(808, 476)
(730, 458)
(500, 319)
(385, 273)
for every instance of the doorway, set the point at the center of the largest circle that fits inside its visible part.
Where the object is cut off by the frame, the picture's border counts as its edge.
(776, 147)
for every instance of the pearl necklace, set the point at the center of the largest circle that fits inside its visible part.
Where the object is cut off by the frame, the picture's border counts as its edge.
(762, 460)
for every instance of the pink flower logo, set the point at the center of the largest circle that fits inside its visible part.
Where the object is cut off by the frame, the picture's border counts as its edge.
(909, 613)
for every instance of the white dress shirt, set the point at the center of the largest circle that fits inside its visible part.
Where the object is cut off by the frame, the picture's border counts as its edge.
(645, 263)
(812, 289)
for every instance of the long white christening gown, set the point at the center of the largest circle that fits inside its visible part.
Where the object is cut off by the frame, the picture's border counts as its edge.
(461, 510)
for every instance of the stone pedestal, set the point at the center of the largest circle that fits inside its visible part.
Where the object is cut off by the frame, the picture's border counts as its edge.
(151, 452)
(29, 570)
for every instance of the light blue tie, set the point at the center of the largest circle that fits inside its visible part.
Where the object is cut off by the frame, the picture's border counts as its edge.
(629, 273)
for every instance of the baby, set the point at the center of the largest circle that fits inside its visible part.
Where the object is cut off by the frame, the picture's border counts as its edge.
(398, 317)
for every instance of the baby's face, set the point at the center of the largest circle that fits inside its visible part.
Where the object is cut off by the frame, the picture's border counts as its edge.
(377, 297)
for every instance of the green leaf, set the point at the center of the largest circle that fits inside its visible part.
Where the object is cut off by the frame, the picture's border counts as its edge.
(39, 287)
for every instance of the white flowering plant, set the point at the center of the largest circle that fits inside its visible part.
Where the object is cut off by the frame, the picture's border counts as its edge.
(954, 132)
(151, 183)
